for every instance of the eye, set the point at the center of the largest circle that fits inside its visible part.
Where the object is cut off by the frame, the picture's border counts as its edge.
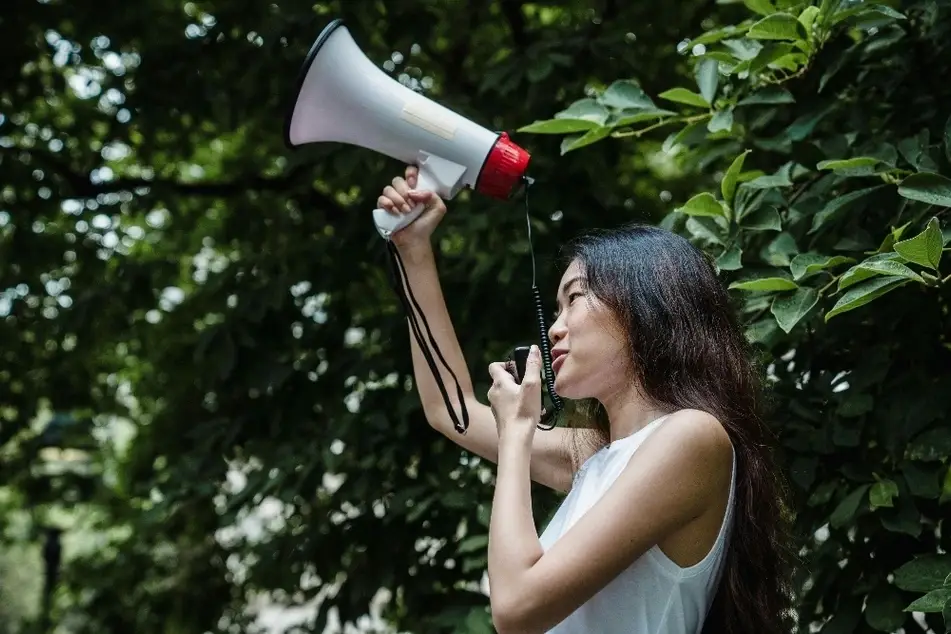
(572, 296)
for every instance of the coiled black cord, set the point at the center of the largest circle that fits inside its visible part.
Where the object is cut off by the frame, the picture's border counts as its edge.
(549, 418)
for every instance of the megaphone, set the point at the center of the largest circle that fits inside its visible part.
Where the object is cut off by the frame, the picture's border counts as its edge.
(344, 97)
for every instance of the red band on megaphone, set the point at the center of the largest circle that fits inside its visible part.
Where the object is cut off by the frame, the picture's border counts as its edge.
(503, 169)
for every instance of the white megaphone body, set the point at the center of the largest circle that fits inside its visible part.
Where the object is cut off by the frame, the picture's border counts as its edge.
(344, 97)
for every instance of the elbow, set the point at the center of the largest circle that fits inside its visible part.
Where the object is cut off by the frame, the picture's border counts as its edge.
(438, 416)
(510, 616)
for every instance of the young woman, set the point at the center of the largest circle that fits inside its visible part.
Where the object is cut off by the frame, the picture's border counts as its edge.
(674, 521)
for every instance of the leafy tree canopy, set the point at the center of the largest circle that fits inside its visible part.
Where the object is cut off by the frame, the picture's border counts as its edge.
(197, 330)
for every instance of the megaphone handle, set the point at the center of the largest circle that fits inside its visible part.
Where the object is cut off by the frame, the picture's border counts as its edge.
(388, 223)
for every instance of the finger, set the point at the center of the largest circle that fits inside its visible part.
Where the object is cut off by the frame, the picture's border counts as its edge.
(400, 185)
(428, 198)
(533, 368)
(499, 374)
(399, 203)
(411, 175)
(385, 203)
(402, 188)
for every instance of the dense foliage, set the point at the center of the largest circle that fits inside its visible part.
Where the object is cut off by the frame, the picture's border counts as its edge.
(197, 331)
(823, 138)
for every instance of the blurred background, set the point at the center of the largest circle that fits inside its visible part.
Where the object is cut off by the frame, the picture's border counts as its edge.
(207, 419)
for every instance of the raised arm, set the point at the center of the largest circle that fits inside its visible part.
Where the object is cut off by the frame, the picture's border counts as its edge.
(551, 463)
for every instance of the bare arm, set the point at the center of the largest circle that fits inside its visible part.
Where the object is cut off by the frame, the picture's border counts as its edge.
(551, 463)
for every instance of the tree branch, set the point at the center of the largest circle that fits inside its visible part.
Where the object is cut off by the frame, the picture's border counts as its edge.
(81, 185)
(512, 10)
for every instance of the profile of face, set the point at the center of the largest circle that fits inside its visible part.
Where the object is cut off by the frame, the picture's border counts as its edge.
(590, 352)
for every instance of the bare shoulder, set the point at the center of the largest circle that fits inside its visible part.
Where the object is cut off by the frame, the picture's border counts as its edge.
(699, 430)
(692, 442)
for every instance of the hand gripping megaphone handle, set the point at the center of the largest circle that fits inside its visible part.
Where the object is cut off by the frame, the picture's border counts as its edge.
(436, 175)
(388, 223)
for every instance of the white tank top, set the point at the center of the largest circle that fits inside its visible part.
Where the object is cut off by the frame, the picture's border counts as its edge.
(653, 595)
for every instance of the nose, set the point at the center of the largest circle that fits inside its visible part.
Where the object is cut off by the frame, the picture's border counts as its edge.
(557, 331)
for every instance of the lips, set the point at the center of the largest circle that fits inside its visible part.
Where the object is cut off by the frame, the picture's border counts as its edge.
(557, 358)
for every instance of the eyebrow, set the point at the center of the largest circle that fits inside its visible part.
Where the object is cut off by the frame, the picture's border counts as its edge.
(567, 285)
(564, 289)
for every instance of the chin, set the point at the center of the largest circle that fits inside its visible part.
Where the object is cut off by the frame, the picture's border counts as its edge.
(563, 387)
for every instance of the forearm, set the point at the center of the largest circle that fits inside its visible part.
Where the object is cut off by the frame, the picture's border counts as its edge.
(514, 546)
(423, 280)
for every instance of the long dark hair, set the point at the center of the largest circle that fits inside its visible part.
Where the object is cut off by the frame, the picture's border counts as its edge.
(688, 352)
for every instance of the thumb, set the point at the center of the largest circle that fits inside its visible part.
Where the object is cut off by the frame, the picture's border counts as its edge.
(420, 195)
(428, 198)
(533, 366)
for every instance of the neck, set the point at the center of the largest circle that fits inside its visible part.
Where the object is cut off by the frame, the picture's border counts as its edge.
(629, 411)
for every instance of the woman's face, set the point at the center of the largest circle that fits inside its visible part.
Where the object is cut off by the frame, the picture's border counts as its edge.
(589, 348)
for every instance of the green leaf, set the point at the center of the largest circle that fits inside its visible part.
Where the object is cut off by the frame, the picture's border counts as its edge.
(706, 228)
(762, 7)
(473, 544)
(848, 507)
(866, 11)
(888, 244)
(587, 110)
(924, 573)
(721, 121)
(863, 293)
(947, 139)
(763, 219)
(743, 49)
(730, 30)
(839, 204)
(822, 493)
(933, 444)
(781, 250)
(778, 26)
(571, 143)
(790, 309)
(926, 187)
(765, 284)
(559, 126)
(762, 331)
(781, 178)
(923, 479)
(687, 136)
(855, 404)
(685, 96)
(626, 93)
(807, 264)
(703, 204)
(903, 519)
(768, 95)
(882, 494)
(934, 601)
(873, 267)
(730, 259)
(628, 117)
(808, 17)
(728, 184)
(847, 164)
(708, 77)
(884, 609)
(925, 248)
